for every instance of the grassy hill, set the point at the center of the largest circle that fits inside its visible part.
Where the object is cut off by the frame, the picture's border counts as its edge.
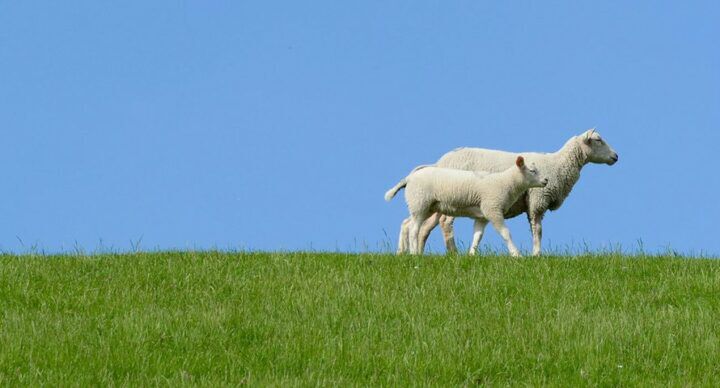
(209, 318)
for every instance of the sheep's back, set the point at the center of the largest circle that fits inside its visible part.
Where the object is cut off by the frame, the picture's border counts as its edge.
(481, 159)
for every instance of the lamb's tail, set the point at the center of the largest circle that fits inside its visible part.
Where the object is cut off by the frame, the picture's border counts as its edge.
(391, 193)
(403, 182)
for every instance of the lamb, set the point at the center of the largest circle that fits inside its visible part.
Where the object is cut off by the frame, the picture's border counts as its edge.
(562, 168)
(482, 196)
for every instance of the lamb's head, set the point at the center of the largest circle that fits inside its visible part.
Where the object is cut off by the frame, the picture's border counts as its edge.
(596, 149)
(530, 174)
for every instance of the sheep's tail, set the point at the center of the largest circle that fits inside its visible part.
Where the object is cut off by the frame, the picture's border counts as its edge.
(403, 182)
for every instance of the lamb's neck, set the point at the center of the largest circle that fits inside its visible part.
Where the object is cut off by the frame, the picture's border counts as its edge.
(515, 185)
(507, 180)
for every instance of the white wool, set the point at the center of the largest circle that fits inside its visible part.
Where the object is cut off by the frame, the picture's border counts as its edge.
(480, 195)
(562, 168)
(455, 192)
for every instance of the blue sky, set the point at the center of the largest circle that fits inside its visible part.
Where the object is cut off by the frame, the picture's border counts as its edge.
(279, 125)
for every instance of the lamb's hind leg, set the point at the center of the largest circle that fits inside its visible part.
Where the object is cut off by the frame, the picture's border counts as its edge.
(478, 229)
(417, 221)
(499, 225)
(446, 224)
(426, 228)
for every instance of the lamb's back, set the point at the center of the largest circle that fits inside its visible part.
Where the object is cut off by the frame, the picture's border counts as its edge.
(452, 191)
(443, 178)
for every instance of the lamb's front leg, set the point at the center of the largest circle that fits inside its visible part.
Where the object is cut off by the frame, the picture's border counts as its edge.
(446, 224)
(478, 229)
(536, 228)
(499, 225)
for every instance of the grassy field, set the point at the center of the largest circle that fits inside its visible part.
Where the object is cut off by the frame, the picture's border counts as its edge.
(208, 318)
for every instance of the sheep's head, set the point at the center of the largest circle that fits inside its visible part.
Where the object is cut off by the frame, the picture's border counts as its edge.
(596, 149)
(530, 173)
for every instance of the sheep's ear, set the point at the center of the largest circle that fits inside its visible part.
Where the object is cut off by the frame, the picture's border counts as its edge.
(588, 135)
(520, 162)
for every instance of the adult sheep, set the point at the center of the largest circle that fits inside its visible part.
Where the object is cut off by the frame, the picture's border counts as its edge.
(562, 168)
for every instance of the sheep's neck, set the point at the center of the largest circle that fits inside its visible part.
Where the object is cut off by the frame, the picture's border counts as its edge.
(573, 155)
(571, 161)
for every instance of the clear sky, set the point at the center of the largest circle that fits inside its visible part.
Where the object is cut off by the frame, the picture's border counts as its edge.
(275, 125)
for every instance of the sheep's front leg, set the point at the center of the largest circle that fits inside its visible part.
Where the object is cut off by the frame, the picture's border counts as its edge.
(446, 224)
(478, 229)
(536, 228)
(403, 240)
(499, 225)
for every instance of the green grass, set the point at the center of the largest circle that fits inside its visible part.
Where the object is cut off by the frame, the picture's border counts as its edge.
(214, 319)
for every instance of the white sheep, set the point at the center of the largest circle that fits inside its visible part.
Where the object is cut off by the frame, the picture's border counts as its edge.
(482, 196)
(562, 168)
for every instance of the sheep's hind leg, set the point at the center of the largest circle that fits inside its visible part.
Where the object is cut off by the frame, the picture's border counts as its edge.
(446, 224)
(502, 229)
(536, 228)
(403, 240)
(478, 229)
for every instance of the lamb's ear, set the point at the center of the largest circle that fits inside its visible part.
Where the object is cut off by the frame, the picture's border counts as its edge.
(520, 162)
